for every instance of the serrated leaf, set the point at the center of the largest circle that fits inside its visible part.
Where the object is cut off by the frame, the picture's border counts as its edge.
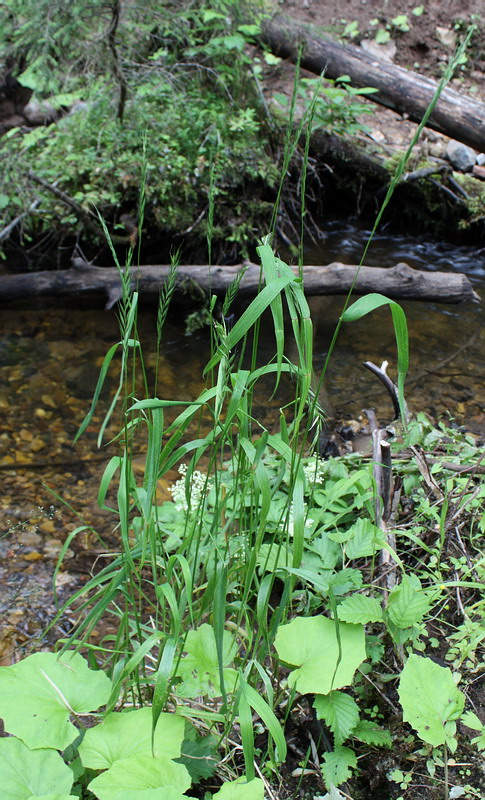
(408, 603)
(28, 773)
(311, 644)
(139, 773)
(370, 733)
(345, 580)
(358, 608)
(337, 766)
(430, 699)
(364, 539)
(471, 721)
(479, 741)
(340, 712)
(38, 695)
(199, 668)
(240, 790)
(125, 734)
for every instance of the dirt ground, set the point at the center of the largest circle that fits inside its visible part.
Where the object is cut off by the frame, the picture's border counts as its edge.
(435, 28)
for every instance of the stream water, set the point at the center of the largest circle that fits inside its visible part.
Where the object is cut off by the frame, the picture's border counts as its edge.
(49, 363)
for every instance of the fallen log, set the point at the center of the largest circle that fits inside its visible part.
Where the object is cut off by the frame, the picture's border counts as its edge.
(398, 282)
(400, 89)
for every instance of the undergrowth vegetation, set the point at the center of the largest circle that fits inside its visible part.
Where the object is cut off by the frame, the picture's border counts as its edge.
(181, 77)
(265, 590)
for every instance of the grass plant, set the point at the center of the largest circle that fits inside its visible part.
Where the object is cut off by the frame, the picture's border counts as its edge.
(255, 588)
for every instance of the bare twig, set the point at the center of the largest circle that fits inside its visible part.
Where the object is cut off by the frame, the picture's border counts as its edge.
(381, 373)
(79, 211)
(7, 230)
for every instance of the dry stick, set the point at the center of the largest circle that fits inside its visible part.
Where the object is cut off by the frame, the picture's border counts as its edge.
(5, 233)
(79, 211)
(381, 373)
(118, 71)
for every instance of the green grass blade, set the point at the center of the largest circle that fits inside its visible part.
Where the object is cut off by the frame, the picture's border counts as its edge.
(364, 305)
(162, 682)
(249, 317)
(102, 375)
(263, 710)
(247, 735)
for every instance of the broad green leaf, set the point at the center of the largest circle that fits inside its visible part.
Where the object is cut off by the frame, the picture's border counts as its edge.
(364, 539)
(360, 609)
(408, 603)
(430, 699)
(200, 757)
(311, 644)
(272, 557)
(167, 793)
(125, 734)
(340, 712)
(370, 733)
(240, 790)
(199, 668)
(337, 766)
(28, 773)
(55, 796)
(39, 694)
(140, 772)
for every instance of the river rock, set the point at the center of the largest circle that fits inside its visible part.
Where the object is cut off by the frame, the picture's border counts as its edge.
(479, 172)
(460, 156)
(481, 159)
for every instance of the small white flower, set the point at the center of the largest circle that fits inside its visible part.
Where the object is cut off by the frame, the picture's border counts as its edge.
(199, 485)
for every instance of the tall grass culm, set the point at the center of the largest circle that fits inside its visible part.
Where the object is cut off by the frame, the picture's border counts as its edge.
(203, 583)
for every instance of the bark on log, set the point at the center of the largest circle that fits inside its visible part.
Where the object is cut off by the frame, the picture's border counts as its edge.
(400, 89)
(398, 282)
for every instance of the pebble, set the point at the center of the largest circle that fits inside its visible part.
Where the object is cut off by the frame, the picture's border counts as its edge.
(460, 156)
(479, 172)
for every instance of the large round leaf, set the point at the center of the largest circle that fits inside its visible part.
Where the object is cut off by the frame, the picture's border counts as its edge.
(241, 790)
(311, 643)
(122, 735)
(28, 773)
(38, 695)
(431, 700)
(140, 772)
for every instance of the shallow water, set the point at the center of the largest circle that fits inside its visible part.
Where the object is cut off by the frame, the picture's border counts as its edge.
(50, 359)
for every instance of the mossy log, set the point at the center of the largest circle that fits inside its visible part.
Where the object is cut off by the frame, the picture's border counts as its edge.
(402, 90)
(398, 282)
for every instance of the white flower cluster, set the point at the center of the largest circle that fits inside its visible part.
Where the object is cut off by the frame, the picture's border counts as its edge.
(314, 471)
(198, 486)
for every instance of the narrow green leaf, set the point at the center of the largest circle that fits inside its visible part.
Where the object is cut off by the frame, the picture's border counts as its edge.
(262, 709)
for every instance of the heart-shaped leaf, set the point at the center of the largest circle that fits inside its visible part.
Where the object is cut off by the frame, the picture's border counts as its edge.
(38, 695)
(122, 735)
(240, 790)
(312, 645)
(32, 773)
(140, 772)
